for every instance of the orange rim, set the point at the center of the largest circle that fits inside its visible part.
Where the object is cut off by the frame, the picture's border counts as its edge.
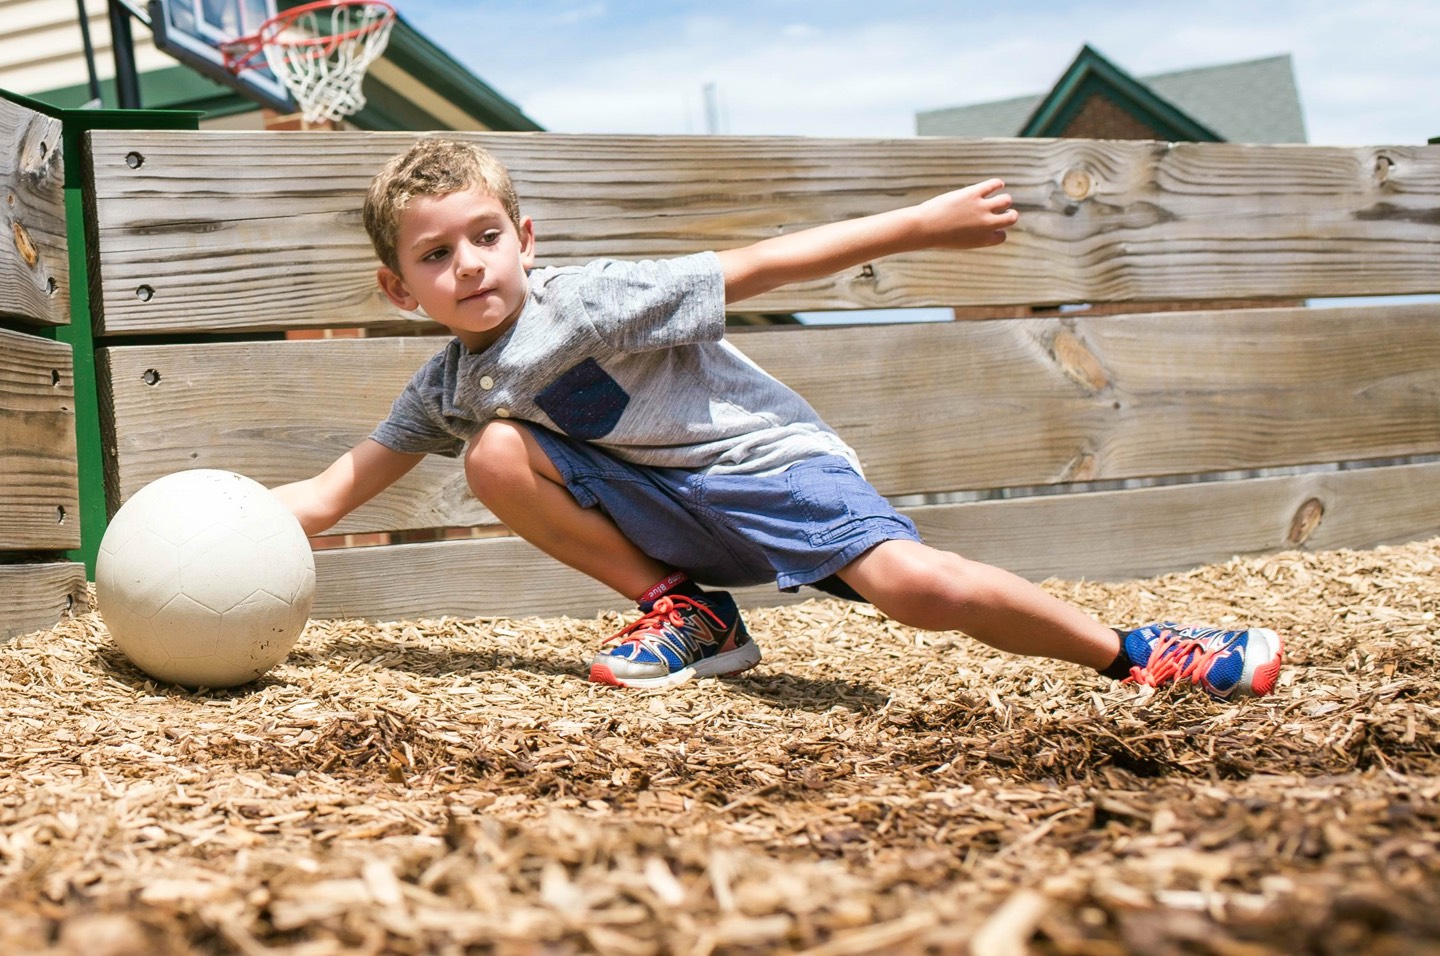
(241, 53)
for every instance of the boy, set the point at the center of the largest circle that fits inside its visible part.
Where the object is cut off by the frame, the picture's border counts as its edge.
(602, 417)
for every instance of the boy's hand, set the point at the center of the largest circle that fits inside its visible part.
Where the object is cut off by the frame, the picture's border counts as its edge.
(969, 218)
(351, 480)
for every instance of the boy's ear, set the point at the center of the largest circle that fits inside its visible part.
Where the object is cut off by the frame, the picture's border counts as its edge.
(527, 242)
(394, 288)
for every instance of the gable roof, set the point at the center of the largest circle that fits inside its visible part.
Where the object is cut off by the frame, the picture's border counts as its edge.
(1255, 101)
(1090, 74)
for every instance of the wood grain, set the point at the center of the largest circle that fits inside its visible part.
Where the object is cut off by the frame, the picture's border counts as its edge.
(275, 411)
(1139, 532)
(1097, 536)
(239, 231)
(34, 597)
(929, 408)
(960, 406)
(39, 483)
(34, 263)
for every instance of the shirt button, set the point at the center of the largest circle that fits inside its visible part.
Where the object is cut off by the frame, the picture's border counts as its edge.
(486, 382)
(502, 412)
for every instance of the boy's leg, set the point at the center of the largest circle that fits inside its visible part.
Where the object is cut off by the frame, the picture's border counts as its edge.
(939, 591)
(512, 476)
(683, 631)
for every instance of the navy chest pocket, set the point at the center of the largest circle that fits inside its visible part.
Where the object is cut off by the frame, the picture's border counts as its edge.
(585, 402)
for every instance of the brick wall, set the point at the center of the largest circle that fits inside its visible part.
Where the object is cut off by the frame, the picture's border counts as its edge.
(1102, 118)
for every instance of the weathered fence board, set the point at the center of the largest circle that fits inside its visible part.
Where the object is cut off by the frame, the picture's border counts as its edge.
(1139, 532)
(1097, 536)
(39, 482)
(229, 231)
(275, 411)
(930, 408)
(34, 268)
(958, 406)
(36, 596)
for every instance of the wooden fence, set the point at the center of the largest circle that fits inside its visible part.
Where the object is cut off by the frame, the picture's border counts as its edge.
(39, 510)
(204, 246)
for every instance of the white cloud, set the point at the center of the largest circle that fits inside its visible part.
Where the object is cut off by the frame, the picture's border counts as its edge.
(1367, 70)
(587, 12)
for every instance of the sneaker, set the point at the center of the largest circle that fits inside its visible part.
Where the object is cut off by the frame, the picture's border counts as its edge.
(1226, 664)
(680, 637)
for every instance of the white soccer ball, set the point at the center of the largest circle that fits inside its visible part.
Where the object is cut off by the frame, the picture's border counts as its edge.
(205, 579)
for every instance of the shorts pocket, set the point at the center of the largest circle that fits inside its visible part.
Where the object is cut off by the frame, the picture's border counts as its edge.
(585, 402)
(823, 492)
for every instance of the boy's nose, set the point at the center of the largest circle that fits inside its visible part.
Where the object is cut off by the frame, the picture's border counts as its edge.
(468, 260)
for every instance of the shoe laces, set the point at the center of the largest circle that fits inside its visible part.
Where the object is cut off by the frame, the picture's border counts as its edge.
(1174, 658)
(665, 610)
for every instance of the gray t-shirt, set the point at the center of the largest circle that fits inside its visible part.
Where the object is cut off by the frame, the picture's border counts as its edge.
(629, 356)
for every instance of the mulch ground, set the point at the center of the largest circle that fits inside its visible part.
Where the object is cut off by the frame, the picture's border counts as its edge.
(456, 786)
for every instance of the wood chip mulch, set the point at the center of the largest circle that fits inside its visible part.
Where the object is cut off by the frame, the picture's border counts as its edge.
(456, 786)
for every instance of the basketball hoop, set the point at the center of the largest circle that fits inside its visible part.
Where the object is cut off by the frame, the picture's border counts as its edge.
(320, 51)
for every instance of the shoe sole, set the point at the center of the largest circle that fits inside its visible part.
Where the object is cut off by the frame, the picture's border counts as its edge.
(740, 659)
(1264, 676)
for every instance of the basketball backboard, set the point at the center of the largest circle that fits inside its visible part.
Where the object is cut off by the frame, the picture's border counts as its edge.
(193, 30)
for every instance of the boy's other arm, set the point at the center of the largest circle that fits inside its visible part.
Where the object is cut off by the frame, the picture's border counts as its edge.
(351, 480)
(969, 218)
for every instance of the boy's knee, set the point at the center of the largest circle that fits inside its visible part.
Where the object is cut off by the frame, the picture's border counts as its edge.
(496, 458)
(924, 586)
(944, 579)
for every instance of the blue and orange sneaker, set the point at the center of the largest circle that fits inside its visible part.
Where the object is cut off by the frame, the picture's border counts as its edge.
(680, 637)
(1225, 664)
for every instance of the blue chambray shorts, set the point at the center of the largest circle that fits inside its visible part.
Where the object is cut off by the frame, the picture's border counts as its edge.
(795, 528)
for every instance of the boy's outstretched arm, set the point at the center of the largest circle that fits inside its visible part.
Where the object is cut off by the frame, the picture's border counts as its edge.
(968, 218)
(353, 479)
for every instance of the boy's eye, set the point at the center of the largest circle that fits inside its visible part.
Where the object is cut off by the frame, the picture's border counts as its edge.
(489, 237)
(434, 255)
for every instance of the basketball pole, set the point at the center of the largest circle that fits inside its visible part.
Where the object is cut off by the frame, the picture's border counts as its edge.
(92, 75)
(122, 44)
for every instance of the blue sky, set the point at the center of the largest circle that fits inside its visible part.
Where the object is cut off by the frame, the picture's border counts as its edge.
(1368, 70)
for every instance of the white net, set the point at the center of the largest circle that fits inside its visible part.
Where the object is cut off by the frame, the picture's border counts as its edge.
(321, 52)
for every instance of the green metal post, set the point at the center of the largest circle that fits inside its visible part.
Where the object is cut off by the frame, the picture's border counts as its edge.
(80, 335)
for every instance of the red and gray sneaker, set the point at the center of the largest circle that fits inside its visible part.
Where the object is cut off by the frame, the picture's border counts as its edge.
(1226, 664)
(680, 637)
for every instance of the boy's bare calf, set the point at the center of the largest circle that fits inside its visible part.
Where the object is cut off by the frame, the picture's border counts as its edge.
(940, 591)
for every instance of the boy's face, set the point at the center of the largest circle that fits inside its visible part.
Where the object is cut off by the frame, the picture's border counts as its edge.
(462, 261)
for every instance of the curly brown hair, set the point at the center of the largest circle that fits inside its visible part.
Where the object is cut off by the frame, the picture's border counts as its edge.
(431, 167)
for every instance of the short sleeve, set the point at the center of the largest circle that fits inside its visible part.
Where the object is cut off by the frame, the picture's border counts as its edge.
(414, 427)
(654, 304)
